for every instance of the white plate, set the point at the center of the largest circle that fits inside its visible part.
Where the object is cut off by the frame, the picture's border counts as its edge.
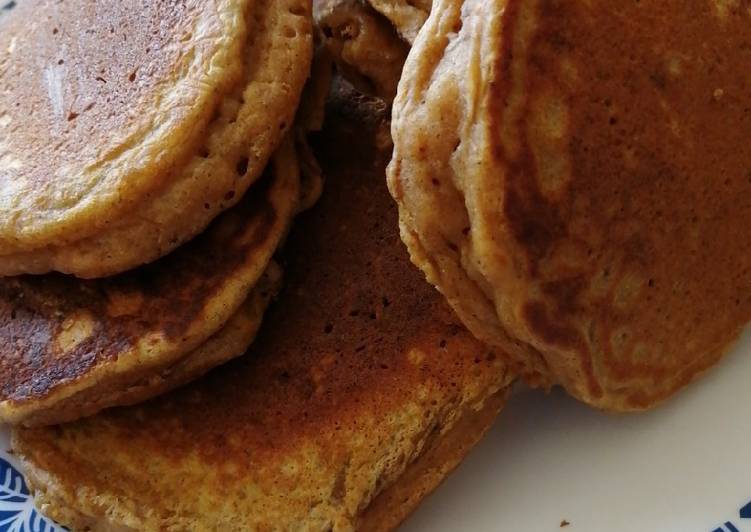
(683, 467)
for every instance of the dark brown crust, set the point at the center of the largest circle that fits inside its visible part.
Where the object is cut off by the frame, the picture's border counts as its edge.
(65, 337)
(359, 369)
(171, 292)
(143, 383)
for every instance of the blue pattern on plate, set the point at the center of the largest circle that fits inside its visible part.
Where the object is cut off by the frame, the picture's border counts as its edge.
(17, 512)
(733, 526)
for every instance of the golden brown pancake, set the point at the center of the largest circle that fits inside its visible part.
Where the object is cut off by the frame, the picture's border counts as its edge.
(365, 46)
(124, 131)
(573, 175)
(72, 347)
(229, 342)
(358, 377)
(397, 502)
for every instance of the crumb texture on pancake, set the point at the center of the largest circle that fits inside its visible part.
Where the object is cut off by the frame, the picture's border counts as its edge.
(177, 198)
(360, 369)
(367, 49)
(65, 339)
(181, 56)
(407, 16)
(397, 502)
(572, 176)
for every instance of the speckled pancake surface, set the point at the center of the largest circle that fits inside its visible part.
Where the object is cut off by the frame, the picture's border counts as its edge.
(72, 347)
(154, 138)
(359, 370)
(574, 177)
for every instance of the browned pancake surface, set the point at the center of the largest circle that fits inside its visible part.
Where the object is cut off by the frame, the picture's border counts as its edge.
(90, 84)
(359, 369)
(638, 238)
(573, 176)
(356, 308)
(61, 335)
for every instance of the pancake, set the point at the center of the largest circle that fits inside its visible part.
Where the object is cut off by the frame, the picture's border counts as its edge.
(72, 347)
(147, 149)
(359, 370)
(229, 342)
(366, 48)
(572, 176)
(407, 16)
(397, 502)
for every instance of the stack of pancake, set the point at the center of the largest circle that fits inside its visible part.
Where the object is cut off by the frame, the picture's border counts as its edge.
(141, 255)
(574, 177)
(148, 174)
(569, 181)
(361, 392)
(570, 175)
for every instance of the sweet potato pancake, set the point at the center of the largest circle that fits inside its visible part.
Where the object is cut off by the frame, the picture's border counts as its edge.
(361, 392)
(124, 129)
(71, 347)
(574, 176)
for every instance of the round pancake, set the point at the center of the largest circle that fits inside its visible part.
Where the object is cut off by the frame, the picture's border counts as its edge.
(359, 370)
(407, 16)
(229, 342)
(135, 386)
(105, 209)
(71, 347)
(582, 202)
(194, 56)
